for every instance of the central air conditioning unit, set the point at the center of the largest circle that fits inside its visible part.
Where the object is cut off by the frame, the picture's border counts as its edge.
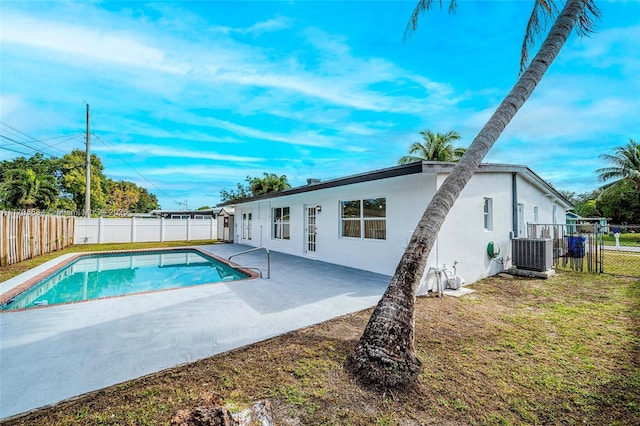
(535, 254)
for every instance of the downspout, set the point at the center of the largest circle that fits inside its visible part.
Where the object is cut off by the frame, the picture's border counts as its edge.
(514, 203)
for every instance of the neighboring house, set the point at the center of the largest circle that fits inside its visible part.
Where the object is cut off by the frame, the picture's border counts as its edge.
(193, 214)
(574, 220)
(365, 221)
(222, 215)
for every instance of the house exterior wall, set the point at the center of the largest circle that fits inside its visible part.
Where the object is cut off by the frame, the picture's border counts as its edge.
(532, 197)
(380, 256)
(462, 239)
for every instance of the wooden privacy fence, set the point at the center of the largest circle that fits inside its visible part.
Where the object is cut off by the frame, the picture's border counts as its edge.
(24, 235)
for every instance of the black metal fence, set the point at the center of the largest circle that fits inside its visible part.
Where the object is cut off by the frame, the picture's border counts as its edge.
(594, 248)
(575, 247)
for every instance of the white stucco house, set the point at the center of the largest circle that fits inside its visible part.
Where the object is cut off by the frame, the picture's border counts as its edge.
(366, 220)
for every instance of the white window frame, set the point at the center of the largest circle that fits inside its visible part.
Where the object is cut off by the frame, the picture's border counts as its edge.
(200, 216)
(488, 214)
(281, 227)
(363, 220)
(535, 214)
(180, 216)
(247, 218)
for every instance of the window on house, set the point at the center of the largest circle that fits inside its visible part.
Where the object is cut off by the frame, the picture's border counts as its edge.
(246, 226)
(200, 216)
(535, 215)
(179, 216)
(488, 214)
(281, 224)
(364, 218)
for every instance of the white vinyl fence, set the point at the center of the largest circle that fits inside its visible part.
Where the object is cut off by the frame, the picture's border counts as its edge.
(139, 230)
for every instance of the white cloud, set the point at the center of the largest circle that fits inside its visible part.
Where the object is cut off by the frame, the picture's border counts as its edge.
(609, 48)
(274, 24)
(10, 104)
(147, 150)
(113, 47)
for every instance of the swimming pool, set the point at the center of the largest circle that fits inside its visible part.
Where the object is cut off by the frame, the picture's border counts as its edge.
(102, 275)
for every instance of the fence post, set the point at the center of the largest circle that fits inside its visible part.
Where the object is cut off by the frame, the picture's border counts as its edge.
(188, 229)
(4, 242)
(133, 229)
(100, 229)
(162, 229)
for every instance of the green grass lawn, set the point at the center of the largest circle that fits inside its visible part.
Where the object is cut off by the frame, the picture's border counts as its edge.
(628, 239)
(561, 351)
(622, 263)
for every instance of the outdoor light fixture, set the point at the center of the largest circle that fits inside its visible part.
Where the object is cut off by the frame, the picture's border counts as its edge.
(318, 208)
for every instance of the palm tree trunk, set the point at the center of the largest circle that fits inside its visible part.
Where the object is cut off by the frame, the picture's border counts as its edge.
(385, 356)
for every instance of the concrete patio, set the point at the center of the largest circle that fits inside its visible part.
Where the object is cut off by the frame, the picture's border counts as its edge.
(55, 353)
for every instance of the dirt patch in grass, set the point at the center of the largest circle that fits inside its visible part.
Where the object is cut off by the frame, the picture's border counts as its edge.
(518, 351)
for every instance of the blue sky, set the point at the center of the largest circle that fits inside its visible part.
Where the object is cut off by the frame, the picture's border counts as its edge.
(188, 98)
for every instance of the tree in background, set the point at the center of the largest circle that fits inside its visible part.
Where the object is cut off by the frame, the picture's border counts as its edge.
(67, 174)
(241, 191)
(37, 163)
(620, 204)
(122, 196)
(127, 197)
(146, 202)
(385, 356)
(73, 179)
(270, 182)
(26, 189)
(584, 204)
(624, 169)
(436, 147)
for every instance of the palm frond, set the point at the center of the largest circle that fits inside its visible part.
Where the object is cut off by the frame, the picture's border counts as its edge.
(587, 21)
(625, 164)
(452, 135)
(543, 10)
(409, 159)
(419, 10)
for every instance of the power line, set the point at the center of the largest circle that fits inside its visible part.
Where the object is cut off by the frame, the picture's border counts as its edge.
(134, 169)
(40, 141)
(13, 150)
(26, 146)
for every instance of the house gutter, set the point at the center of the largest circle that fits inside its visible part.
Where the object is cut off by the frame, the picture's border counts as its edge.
(514, 203)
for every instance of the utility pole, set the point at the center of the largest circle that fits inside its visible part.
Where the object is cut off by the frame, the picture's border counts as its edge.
(87, 195)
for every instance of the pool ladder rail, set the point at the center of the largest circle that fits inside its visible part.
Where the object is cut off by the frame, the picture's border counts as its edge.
(254, 267)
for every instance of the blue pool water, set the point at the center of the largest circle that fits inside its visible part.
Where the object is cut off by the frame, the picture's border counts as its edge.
(97, 276)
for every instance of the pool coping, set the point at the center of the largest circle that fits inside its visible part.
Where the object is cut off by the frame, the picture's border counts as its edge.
(65, 260)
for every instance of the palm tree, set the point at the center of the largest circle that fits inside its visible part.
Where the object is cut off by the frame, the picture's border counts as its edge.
(625, 166)
(269, 183)
(385, 356)
(26, 189)
(436, 147)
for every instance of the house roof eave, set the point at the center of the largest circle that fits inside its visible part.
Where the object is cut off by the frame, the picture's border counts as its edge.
(434, 167)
